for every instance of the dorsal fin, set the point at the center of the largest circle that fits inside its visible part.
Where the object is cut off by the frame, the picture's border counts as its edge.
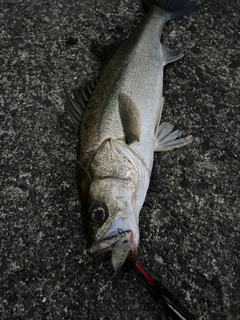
(130, 118)
(84, 93)
(76, 105)
(105, 52)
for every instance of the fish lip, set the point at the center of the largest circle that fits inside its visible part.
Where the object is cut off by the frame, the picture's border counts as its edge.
(117, 245)
(96, 250)
(104, 244)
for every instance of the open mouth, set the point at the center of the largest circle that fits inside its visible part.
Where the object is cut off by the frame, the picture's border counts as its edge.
(120, 245)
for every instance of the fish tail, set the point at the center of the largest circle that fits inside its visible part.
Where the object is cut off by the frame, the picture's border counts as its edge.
(173, 8)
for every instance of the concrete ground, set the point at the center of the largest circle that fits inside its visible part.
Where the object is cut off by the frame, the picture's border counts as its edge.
(190, 221)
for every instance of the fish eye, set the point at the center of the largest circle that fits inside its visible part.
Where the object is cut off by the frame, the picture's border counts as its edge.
(98, 214)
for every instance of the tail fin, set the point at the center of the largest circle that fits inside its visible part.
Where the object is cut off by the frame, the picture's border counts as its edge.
(175, 8)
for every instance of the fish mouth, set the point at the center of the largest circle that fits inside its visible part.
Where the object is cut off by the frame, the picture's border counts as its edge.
(121, 245)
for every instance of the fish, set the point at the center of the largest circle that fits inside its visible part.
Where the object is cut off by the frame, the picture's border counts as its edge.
(119, 123)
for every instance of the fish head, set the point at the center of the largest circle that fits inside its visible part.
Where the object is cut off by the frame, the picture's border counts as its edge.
(113, 221)
(114, 209)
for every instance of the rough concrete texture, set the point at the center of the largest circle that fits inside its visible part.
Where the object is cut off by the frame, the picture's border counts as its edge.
(190, 221)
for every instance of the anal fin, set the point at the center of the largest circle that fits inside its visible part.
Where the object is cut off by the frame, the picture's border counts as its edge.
(170, 55)
(165, 138)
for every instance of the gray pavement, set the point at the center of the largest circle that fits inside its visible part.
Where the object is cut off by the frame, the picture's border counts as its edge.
(190, 221)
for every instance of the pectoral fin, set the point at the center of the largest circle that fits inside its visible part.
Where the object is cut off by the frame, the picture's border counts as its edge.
(165, 138)
(130, 118)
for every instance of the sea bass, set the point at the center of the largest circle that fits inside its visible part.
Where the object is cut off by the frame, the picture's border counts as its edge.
(119, 132)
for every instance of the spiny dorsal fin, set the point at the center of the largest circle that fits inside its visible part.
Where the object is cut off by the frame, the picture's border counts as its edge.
(170, 55)
(84, 93)
(130, 118)
(75, 106)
